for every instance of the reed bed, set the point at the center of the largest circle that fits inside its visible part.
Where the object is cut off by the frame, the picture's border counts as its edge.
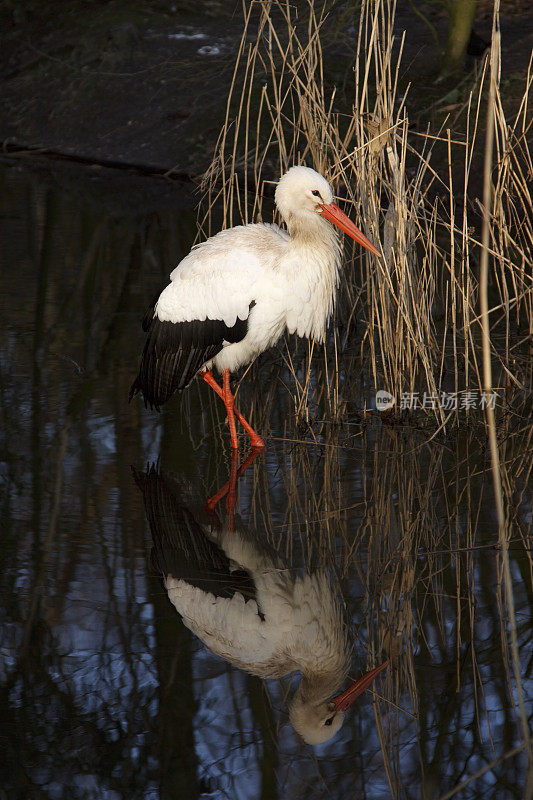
(411, 319)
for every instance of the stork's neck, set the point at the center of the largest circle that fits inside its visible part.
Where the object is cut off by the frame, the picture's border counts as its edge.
(312, 264)
(327, 663)
(312, 232)
(315, 688)
(315, 244)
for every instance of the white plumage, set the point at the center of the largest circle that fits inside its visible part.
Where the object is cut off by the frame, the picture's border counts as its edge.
(234, 295)
(302, 626)
(238, 597)
(220, 279)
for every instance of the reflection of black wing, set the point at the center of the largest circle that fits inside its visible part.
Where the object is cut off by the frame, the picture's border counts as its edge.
(182, 548)
(175, 351)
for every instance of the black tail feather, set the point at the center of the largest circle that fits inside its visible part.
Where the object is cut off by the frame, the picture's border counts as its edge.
(174, 352)
(182, 547)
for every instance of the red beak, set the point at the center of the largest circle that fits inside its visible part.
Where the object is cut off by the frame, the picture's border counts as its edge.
(339, 218)
(345, 700)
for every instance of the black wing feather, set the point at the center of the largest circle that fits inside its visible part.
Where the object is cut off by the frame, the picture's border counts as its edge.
(175, 351)
(181, 547)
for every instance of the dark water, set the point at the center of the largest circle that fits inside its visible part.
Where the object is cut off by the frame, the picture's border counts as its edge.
(104, 693)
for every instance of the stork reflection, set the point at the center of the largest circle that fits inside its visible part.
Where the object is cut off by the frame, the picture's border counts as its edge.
(234, 592)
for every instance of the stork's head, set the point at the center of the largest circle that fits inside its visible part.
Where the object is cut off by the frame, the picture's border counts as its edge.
(317, 720)
(302, 194)
(316, 723)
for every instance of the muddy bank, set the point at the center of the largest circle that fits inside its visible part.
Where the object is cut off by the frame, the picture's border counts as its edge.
(146, 83)
(120, 82)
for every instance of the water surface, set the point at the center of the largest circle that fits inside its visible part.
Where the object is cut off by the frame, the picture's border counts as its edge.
(105, 693)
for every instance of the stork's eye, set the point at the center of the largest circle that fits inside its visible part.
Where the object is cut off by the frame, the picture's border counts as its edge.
(329, 720)
(316, 194)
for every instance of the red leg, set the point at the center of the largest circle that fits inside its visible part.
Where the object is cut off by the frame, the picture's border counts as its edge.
(208, 378)
(229, 402)
(232, 412)
(223, 393)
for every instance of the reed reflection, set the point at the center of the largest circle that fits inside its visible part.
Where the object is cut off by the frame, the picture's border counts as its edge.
(246, 605)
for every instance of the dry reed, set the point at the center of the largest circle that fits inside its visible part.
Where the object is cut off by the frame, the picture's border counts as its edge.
(413, 314)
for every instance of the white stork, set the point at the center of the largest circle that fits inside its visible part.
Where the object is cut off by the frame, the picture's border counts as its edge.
(238, 597)
(234, 295)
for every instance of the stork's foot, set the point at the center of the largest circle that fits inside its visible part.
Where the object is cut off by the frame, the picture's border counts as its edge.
(255, 440)
(231, 411)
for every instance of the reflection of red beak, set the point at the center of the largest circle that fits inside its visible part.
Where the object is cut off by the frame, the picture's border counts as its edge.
(345, 700)
(339, 218)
